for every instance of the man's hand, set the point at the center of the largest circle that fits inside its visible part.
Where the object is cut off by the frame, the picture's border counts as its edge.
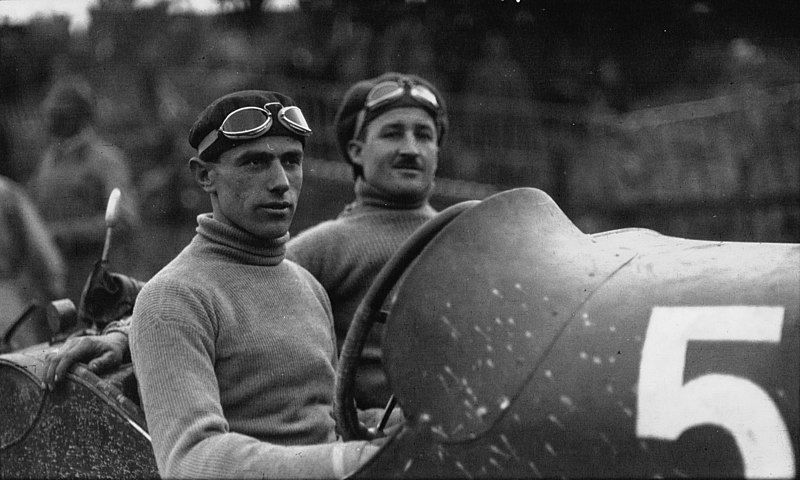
(350, 456)
(102, 352)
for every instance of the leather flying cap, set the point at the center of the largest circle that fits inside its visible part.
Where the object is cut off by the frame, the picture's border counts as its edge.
(355, 98)
(212, 117)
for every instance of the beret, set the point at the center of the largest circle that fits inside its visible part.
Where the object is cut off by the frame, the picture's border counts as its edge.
(214, 114)
(353, 103)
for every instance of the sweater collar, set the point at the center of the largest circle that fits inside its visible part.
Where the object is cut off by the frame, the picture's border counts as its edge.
(241, 245)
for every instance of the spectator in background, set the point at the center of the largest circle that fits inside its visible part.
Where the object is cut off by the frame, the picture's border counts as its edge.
(496, 73)
(31, 268)
(406, 46)
(350, 44)
(496, 82)
(389, 129)
(73, 181)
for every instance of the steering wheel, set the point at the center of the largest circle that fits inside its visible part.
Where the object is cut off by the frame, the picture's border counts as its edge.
(369, 311)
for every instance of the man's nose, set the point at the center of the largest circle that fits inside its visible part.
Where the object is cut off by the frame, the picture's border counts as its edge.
(277, 179)
(410, 144)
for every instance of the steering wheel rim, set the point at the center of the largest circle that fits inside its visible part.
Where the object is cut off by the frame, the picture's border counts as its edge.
(368, 311)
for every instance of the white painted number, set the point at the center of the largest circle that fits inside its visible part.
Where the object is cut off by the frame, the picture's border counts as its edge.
(667, 407)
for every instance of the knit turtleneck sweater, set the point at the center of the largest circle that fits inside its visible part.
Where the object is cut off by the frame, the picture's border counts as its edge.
(346, 254)
(233, 350)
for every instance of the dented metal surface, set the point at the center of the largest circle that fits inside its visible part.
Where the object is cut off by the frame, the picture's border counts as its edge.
(524, 358)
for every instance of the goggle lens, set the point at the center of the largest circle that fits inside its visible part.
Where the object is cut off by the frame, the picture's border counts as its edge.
(245, 122)
(292, 117)
(382, 93)
(423, 93)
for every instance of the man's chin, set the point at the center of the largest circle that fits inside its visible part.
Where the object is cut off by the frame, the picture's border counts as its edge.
(272, 226)
(273, 233)
(413, 190)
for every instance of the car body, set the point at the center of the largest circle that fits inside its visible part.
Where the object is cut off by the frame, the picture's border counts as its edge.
(520, 347)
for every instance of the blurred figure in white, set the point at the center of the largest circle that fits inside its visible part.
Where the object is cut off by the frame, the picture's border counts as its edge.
(31, 267)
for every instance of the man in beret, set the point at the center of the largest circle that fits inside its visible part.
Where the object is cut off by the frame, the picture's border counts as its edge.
(389, 128)
(232, 344)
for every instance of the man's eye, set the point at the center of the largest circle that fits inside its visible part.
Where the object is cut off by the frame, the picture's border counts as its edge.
(425, 135)
(292, 160)
(254, 161)
(392, 134)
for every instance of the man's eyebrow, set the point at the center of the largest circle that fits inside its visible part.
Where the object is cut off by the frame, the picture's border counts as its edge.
(293, 151)
(402, 124)
(254, 153)
(292, 154)
(397, 124)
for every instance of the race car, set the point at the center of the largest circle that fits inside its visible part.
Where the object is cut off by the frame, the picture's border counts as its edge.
(520, 347)
(517, 346)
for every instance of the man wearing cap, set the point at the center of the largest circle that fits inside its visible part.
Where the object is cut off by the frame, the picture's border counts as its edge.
(232, 344)
(389, 128)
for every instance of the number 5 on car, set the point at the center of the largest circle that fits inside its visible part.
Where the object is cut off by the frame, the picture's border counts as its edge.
(667, 406)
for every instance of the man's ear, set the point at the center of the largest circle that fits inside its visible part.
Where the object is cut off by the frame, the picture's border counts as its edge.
(203, 173)
(354, 148)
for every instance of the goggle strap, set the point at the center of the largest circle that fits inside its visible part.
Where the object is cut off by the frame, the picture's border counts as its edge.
(207, 142)
(362, 114)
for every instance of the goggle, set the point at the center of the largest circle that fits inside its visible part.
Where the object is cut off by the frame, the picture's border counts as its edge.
(388, 92)
(252, 122)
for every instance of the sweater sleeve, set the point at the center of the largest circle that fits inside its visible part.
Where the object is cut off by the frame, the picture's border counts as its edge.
(313, 249)
(172, 345)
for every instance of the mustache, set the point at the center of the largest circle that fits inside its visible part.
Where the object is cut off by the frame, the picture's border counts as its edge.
(409, 161)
